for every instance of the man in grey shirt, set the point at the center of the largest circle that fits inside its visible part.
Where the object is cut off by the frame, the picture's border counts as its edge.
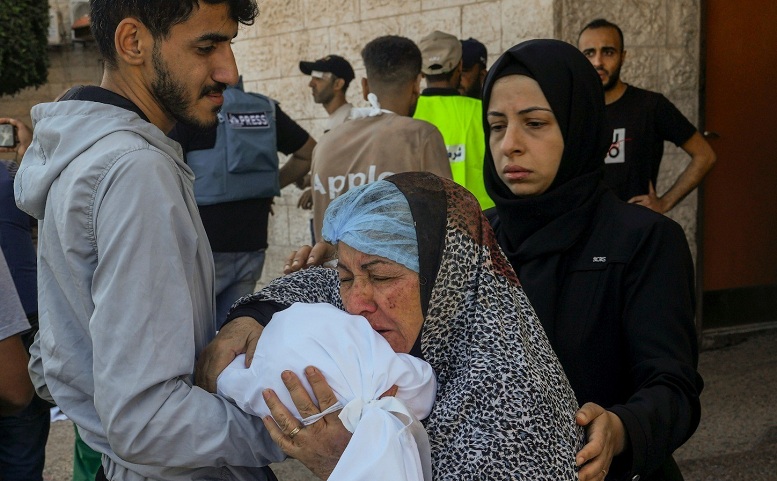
(126, 276)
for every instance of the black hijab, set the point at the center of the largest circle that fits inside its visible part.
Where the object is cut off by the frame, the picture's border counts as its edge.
(534, 232)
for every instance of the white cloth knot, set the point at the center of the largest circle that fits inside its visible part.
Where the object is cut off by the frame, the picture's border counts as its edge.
(353, 412)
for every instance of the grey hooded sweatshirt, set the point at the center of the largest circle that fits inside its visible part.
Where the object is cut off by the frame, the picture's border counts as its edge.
(125, 280)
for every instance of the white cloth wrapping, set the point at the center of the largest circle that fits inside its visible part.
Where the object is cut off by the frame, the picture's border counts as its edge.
(372, 111)
(388, 443)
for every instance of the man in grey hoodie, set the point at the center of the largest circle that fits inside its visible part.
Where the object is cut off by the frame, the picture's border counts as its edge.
(125, 271)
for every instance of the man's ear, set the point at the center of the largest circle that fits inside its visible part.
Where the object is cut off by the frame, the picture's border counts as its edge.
(131, 40)
(365, 88)
(339, 84)
(417, 85)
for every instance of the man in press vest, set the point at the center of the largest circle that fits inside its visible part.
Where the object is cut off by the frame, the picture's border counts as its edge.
(236, 178)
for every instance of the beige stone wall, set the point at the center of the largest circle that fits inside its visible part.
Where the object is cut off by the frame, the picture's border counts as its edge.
(662, 44)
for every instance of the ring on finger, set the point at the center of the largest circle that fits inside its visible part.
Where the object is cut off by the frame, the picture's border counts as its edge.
(294, 432)
(604, 472)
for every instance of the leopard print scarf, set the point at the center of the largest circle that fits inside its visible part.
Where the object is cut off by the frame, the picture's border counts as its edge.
(504, 408)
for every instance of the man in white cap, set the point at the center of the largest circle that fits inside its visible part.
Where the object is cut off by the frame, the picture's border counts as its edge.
(459, 118)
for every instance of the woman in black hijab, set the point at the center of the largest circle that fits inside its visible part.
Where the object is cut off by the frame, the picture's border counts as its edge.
(612, 283)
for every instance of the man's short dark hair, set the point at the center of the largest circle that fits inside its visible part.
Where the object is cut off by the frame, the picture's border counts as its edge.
(158, 16)
(602, 23)
(392, 60)
(440, 77)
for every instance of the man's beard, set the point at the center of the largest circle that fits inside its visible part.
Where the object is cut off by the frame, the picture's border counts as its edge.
(326, 94)
(171, 95)
(613, 79)
(474, 91)
(324, 97)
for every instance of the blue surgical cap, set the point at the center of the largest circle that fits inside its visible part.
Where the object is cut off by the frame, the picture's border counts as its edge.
(376, 220)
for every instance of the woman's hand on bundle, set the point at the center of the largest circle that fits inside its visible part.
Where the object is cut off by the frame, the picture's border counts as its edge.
(318, 446)
(606, 438)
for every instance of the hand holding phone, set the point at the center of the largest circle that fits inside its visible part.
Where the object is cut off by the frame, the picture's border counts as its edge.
(8, 136)
(15, 136)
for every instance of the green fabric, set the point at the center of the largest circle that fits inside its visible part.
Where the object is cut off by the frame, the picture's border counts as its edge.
(86, 461)
(459, 120)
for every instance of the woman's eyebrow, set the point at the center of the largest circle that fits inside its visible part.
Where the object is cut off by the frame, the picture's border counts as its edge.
(341, 267)
(520, 112)
(366, 266)
(533, 109)
(373, 263)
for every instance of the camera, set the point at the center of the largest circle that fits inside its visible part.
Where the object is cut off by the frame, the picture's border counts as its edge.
(8, 137)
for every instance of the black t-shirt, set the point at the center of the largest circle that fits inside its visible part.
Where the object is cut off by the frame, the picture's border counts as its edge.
(433, 91)
(641, 121)
(239, 226)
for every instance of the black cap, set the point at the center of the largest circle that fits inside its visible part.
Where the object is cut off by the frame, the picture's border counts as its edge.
(473, 52)
(331, 63)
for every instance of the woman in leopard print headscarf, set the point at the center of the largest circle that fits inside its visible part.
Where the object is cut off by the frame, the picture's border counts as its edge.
(504, 408)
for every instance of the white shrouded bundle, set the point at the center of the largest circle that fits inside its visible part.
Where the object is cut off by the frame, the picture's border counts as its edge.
(388, 443)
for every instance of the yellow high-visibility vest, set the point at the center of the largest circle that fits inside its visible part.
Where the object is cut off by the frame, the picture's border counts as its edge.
(460, 121)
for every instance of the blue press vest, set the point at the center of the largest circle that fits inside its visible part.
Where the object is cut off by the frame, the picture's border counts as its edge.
(243, 164)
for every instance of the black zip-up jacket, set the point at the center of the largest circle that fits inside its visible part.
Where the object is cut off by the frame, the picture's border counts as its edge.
(623, 328)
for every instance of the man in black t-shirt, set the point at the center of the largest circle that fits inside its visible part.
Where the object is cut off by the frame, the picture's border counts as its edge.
(641, 122)
(237, 230)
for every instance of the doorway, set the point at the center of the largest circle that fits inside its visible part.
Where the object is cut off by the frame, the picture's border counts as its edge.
(738, 213)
